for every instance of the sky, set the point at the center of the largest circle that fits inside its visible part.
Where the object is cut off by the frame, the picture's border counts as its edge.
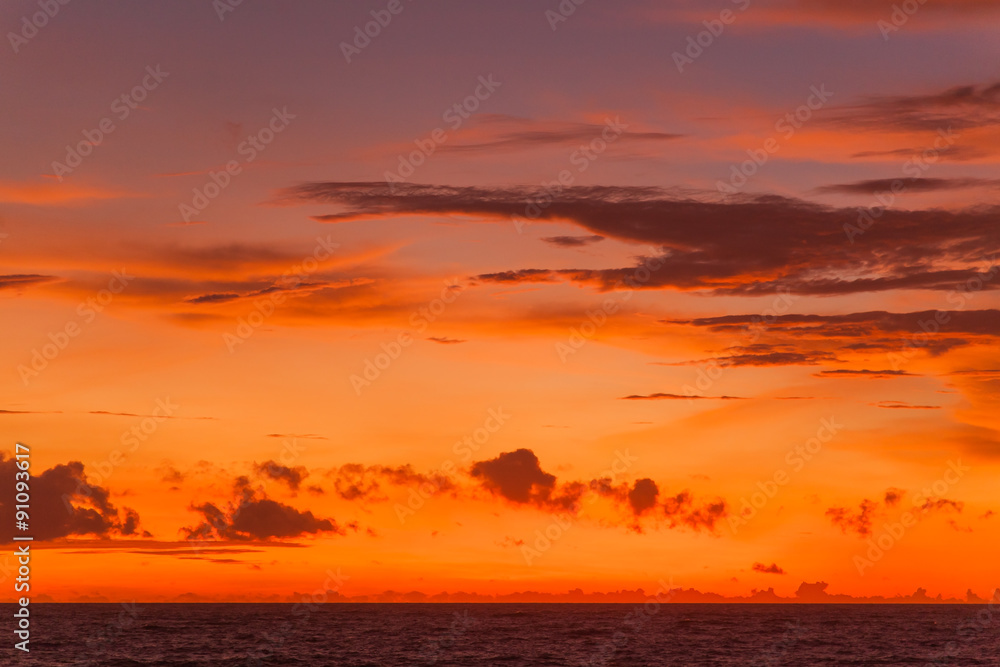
(478, 299)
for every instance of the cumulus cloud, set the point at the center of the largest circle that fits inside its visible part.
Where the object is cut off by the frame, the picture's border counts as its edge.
(768, 569)
(859, 523)
(517, 476)
(273, 470)
(63, 504)
(254, 516)
(355, 481)
(642, 496)
(893, 496)
(681, 511)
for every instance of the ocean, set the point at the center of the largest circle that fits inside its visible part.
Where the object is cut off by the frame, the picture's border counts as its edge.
(355, 635)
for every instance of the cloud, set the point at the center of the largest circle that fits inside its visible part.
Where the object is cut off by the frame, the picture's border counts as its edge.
(807, 358)
(357, 482)
(444, 340)
(768, 569)
(517, 476)
(63, 504)
(171, 475)
(859, 522)
(871, 187)
(500, 132)
(572, 241)
(676, 397)
(899, 405)
(681, 512)
(865, 373)
(21, 280)
(273, 470)
(959, 107)
(741, 245)
(893, 496)
(942, 504)
(642, 496)
(253, 516)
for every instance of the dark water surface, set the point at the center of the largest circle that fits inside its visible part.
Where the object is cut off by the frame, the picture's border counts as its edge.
(506, 634)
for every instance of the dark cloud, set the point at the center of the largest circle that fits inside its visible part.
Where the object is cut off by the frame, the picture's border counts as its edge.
(931, 332)
(273, 470)
(899, 405)
(676, 397)
(767, 569)
(681, 511)
(809, 358)
(253, 516)
(957, 108)
(893, 496)
(572, 241)
(354, 481)
(63, 504)
(859, 522)
(18, 280)
(512, 133)
(743, 244)
(642, 495)
(517, 476)
(911, 185)
(865, 373)
(444, 340)
(942, 504)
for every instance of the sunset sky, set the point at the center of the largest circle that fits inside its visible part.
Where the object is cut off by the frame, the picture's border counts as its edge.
(706, 292)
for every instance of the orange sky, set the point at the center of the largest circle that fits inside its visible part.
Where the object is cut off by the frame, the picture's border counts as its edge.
(565, 315)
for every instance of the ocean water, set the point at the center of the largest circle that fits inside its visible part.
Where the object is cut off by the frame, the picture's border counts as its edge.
(227, 635)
